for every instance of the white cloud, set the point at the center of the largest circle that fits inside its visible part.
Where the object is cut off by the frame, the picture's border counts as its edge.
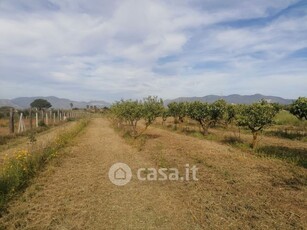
(108, 49)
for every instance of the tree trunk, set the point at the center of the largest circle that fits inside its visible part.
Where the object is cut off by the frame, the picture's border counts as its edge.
(255, 135)
(205, 129)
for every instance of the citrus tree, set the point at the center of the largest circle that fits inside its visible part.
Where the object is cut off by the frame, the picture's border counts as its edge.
(131, 112)
(218, 111)
(152, 108)
(165, 114)
(178, 110)
(128, 111)
(299, 108)
(231, 113)
(200, 112)
(256, 117)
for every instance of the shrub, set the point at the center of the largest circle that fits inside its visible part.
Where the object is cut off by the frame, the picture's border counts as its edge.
(299, 108)
(42, 124)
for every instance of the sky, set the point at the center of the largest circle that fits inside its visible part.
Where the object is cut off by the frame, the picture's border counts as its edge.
(108, 50)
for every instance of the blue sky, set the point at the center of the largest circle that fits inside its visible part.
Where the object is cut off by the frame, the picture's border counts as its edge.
(108, 50)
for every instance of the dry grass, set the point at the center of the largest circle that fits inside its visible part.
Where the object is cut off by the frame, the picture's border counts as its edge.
(17, 170)
(290, 150)
(236, 190)
(78, 195)
(43, 137)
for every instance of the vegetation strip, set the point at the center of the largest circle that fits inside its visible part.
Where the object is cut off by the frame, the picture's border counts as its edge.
(17, 171)
(255, 118)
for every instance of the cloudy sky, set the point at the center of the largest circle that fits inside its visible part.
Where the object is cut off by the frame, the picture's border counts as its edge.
(102, 49)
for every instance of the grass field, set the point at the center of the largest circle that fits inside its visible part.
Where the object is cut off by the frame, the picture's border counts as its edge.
(279, 141)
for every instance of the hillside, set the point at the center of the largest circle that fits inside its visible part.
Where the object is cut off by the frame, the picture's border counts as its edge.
(57, 103)
(63, 103)
(234, 98)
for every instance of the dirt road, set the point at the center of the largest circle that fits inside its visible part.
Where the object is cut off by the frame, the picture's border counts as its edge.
(77, 193)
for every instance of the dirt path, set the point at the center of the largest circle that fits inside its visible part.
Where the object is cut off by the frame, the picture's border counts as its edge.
(234, 191)
(79, 195)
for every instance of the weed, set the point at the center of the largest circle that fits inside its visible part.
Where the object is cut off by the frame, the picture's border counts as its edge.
(42, 124)
(18, 170)
(285, 133)
(292, 155)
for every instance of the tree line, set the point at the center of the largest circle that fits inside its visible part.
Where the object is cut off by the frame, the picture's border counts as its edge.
(255, 117)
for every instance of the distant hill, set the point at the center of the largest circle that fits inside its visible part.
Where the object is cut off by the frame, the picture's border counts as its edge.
(63, 103)
(57, 103)
(234, 98)
(9, 103)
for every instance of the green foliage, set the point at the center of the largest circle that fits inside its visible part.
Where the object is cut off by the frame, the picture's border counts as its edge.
(165, 114)
(31, 137)
(178, 110)
(70, 119)
(208, 114)
(41, 123)
(296, 156)
(128, 111)
(40, 104)
(256, 117)
(131, 112)
(5, 111)
(218, 111)
(286, 118)
(152, 108)
(231, 113)
(200, 112)
(299, 108)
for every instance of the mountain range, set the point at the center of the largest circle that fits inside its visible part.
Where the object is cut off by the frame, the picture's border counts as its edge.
(63, 103)
(233, 98)
(57, 103)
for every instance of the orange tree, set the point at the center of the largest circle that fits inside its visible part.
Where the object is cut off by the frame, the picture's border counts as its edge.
(206, 114)
(131, 112)
(256, 117)
(178, 110)
(200, 112)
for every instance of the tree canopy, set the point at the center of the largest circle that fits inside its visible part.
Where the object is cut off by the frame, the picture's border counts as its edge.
(256, 117)
(41, 104)
(299, 108)
(131, 112)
